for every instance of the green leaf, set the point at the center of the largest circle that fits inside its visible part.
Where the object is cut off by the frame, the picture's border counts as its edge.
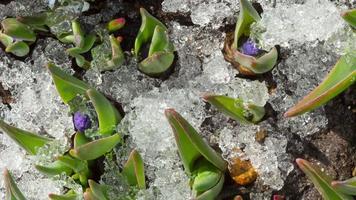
(108, 116)
(247, 16)
(78, 166)
(78, 34)
(206, 176)
(17, 30)
(350, 17)
(96, 148)
(97, 190)
(79, 59)
(55, 168)
(12, 191)
(18, 48)
(36, 22)
(321, 181)
(259, 65)
(80, 139)
(212, 193)
(28, 141)
(146, 31)
(339, 79)
(117, 55)
(87, 45)
(236, 108)
(191, 145)
(70, 195)
(5, 39)
(347, 186)
(134, 170)
(160, 42)
(67, 86)
(66, 38)
(38, 19)
(156, 64)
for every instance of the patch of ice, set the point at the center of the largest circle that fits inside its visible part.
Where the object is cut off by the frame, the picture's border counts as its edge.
(309, 22)
(267, 157)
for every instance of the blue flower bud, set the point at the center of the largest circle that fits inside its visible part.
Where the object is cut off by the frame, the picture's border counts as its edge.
(250, 48)
(81, 121)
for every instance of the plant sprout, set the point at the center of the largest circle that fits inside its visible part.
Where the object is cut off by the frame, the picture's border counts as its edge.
(16, 37)
(242, 52)
(160, 55)
(78, 162)
(83, 43)
(236, 108)
(204, 166)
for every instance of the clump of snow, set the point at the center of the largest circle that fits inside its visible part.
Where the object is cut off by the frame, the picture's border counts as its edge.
(309, 22)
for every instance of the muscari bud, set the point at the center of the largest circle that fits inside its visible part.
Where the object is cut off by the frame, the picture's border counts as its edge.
(250, 48)
(81, 121)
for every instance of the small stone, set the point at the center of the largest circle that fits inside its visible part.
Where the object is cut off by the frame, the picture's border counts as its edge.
(261, 135)
(242, 171)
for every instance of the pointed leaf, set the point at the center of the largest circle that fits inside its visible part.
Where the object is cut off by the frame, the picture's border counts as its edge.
(347, 187)
(190, 144)
(12, 191)
(160, 41)
(212, 193)
(146, 31)
(117, 55)
(78, 34)
(339, 79)
(236, 108)
(67, 86)
(247, 16)
(18, 48)
(78, 166)
(321, 181)
(108, 115)
(68, 196)
(156, 64)
(28, 141)
(134, 170)
(350, 17)
(55, 168)
(97, 190)
(88, 195)
(96, 148)
(17, 30)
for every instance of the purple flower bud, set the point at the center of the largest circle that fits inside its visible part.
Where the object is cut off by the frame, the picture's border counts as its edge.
(250, 48)
(81, 121)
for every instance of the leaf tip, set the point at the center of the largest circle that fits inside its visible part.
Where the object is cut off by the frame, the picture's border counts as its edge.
(206, 96)
(170, 112)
